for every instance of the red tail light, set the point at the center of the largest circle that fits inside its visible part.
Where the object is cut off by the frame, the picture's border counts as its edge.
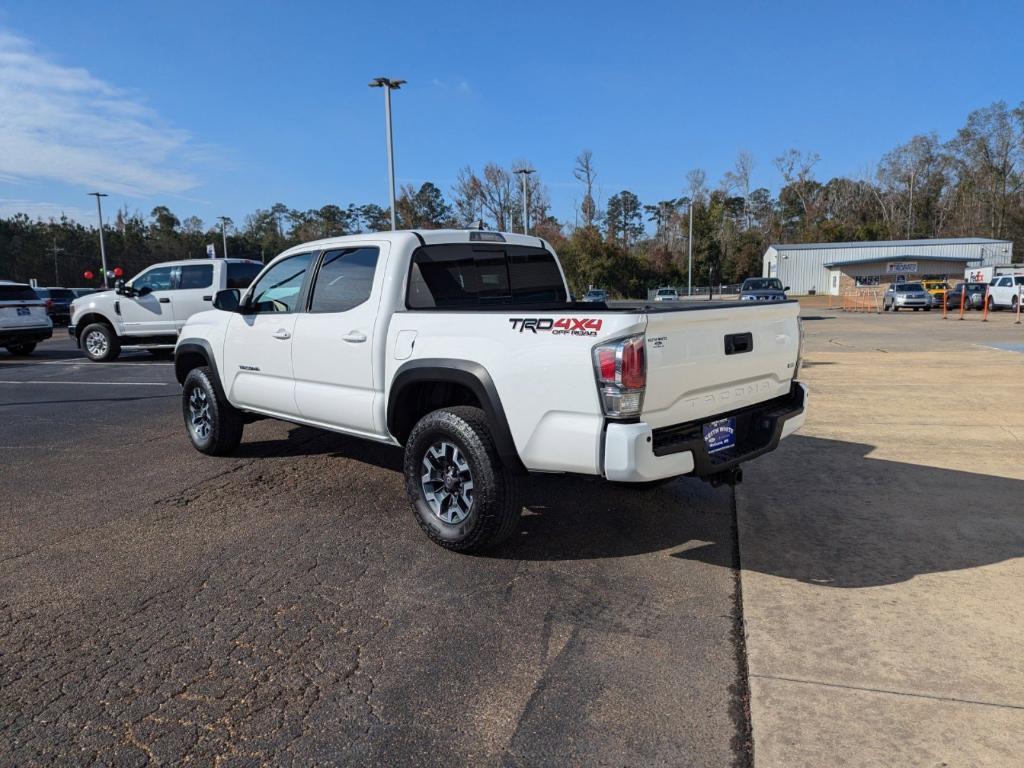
(621, 371)
(634, 372)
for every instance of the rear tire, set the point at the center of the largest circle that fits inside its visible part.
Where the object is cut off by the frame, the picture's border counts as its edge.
(24, 348)
(214, 426)
(448, 450)
(99, 342)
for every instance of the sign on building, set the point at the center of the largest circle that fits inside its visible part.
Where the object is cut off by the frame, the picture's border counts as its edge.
(901, 267)
(211, 251)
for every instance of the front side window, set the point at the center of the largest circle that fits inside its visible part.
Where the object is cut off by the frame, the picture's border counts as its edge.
(345, 279)
(156, 279)
(279, 288)
(1006, 281)
(195, 276)
(469, 275)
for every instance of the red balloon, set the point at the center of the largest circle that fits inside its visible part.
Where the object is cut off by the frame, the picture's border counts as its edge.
(88, 275)
(118, 272)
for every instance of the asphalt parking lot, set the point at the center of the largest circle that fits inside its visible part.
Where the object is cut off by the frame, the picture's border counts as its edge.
(281, 607)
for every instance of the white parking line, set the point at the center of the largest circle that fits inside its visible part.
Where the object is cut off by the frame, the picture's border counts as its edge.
(100, 383)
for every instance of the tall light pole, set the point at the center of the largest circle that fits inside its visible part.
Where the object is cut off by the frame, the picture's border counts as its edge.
(523, 174)
(223, 233)
(389, 85)
(689, 245)
(103, 248)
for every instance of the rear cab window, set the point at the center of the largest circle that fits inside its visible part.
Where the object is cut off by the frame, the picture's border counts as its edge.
(17, 293)
(475, 275)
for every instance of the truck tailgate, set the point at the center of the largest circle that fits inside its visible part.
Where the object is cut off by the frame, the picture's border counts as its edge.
(708, 361)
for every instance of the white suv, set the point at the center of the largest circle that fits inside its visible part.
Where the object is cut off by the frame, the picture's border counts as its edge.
(148, 311)
(1005, 291)
(23, 319)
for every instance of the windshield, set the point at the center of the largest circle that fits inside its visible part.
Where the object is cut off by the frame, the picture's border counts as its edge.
(909, 287)
(666, 291)
(595, 294)
(762, 284)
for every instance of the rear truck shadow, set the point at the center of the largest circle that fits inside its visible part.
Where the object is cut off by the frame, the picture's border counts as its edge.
(833, 516)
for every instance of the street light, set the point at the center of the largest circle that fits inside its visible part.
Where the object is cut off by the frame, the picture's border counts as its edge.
(689, 246)
(523, 173)
(223, 233)
(103, 249)
(389, 85)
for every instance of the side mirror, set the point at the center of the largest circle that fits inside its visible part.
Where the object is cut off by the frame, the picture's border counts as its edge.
(119, 288)
(786, 288)
(227, 300)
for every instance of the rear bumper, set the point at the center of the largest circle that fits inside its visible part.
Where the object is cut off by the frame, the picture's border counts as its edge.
(24, 335)
(634, 453)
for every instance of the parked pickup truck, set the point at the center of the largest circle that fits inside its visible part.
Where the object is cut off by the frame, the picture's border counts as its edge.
(148, 311)
(462, 347)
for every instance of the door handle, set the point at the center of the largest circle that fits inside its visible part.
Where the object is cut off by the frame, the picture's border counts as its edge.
(354, 337)
(281, 333)
(165, 301)
(207, 298)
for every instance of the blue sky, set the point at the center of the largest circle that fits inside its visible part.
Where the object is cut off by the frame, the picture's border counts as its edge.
(220, 108)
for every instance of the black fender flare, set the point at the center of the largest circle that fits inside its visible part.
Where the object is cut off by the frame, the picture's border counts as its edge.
(202, 348)
(466, 373)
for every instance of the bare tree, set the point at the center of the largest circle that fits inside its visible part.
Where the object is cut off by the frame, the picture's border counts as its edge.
(737, 181)
(585, 173)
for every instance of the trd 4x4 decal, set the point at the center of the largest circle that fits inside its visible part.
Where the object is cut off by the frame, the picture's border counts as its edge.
(563, 326)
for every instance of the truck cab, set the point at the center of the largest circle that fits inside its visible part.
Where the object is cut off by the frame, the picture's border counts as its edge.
(148, 311)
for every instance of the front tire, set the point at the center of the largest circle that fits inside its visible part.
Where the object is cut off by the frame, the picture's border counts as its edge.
(100, 344)
(24, 348)
(214, 426)
(462, 495)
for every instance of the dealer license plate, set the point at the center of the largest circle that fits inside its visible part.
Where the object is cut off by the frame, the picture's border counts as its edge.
(719, 435)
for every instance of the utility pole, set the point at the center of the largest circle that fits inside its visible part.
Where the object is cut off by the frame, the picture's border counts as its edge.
(56, 271)
(103, 248)
(223, 234)
(389, 85)
(523, 174)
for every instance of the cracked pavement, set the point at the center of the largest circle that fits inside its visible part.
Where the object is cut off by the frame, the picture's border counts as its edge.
(281, 607)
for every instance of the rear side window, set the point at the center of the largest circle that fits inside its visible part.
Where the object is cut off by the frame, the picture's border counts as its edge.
(195, 276)
(241, 275)
(344, 280)
(470, 275)
(17, 293)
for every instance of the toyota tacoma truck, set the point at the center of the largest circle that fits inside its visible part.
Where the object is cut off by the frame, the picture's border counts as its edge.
(148, 311)
(464, 348)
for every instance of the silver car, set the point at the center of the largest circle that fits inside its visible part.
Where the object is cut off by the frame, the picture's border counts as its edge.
(906, 296)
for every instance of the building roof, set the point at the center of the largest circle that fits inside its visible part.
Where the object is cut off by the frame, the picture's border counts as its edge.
(914, 256)
(890, 243)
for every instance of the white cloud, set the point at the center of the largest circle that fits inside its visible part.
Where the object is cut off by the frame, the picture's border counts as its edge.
(63, 124)
(45, 211)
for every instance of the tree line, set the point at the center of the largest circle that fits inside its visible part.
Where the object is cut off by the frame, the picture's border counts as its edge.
(971, 184)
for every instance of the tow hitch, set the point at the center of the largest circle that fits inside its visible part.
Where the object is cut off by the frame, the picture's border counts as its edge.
(732, 476)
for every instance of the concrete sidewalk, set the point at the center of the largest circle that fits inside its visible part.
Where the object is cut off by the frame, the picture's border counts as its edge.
(881, 553)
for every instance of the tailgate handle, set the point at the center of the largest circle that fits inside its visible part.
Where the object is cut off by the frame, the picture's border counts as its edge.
(737, 343)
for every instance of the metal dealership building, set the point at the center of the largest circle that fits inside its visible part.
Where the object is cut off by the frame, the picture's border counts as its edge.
(836, 267)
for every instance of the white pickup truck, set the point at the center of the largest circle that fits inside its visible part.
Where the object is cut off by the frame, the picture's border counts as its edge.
(1005, 291)
(148, 311)
(462, 346)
